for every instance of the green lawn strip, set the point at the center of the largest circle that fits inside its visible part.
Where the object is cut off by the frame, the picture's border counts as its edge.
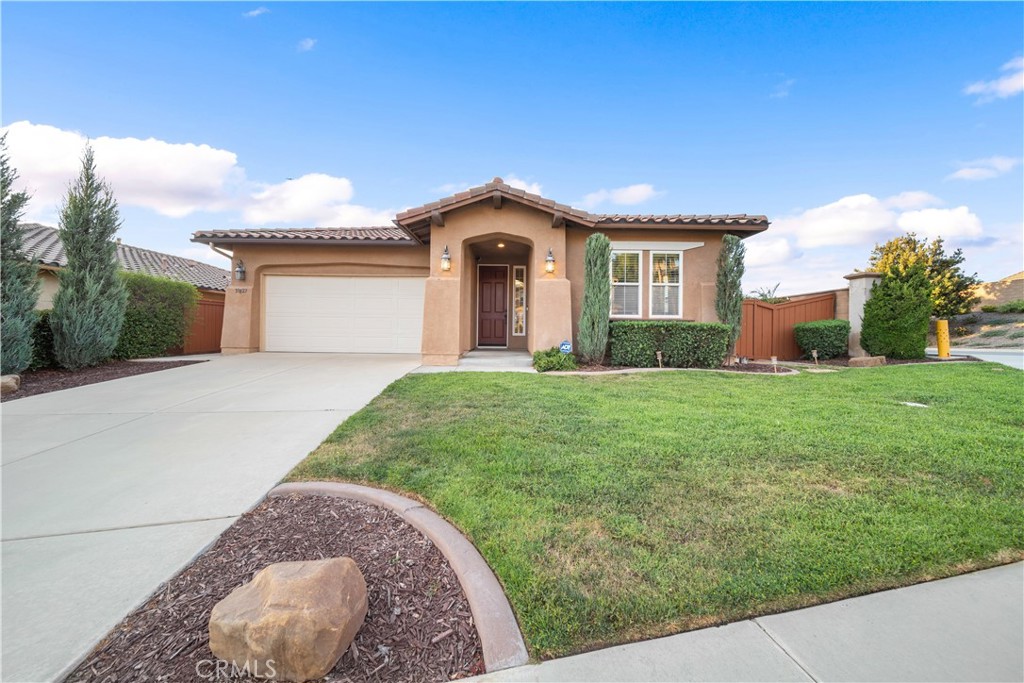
(618, 507)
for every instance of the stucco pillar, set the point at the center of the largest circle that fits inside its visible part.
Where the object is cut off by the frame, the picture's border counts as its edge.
(860, 292)
(236, 335)
(552, 312)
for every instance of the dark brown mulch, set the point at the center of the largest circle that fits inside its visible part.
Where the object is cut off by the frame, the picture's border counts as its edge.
(739, 367)
(418, 626)
(44, 381)
(844, 361)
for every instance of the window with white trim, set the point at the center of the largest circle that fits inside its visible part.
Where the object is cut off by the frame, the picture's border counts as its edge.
(626, 276)
(666, 284)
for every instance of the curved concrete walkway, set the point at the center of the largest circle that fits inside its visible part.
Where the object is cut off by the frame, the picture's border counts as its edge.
(110, 489)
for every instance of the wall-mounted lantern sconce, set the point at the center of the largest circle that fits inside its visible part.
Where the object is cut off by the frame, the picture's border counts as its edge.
(549, 262)
(240, 271)
(446, 259)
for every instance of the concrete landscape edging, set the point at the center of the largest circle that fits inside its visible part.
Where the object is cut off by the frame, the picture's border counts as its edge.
(500, 638)
(783, 372)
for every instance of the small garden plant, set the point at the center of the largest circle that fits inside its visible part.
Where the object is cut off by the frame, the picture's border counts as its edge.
(554, 360)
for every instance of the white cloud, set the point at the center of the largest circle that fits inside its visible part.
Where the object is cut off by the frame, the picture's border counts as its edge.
(513, 181)
(622, 196)
(984, 169)
(172, 179)
(176, 180)
(306, 44)
(255, 12)
(314, 198)
(951, 224)
(1000, 88)
(863, 219)
(915, 199)
(782, 89)
(763, 250)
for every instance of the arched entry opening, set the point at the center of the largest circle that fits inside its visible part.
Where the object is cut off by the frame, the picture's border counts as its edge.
(500, 292)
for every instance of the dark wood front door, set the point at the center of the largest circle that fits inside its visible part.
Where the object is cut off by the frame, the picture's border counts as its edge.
(492, 312)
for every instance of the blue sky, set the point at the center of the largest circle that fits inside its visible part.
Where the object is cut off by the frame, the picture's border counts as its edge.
(845, 123)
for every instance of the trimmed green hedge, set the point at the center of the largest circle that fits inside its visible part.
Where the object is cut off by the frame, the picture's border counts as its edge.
(553, 359)
(830, 337)
(635, 343)
(42, 343)
(159, 314)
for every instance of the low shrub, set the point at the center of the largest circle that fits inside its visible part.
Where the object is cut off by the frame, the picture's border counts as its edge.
(961, 331)
(830, 337)
(635, 343)
(158, 316)
(42, 343)
(989, 309)
(1015, 306)
(553, 360)
(998, 332)
(1016, 334)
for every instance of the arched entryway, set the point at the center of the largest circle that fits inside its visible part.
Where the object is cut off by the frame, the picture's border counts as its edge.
(500, 291)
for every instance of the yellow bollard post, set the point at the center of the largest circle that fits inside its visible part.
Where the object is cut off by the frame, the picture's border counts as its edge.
(942, 334)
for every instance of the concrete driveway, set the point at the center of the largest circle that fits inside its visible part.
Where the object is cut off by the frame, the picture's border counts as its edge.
(110, 489)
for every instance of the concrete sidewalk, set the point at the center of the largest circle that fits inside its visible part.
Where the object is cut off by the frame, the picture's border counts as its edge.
(109, 489)
(1014, 358)
(965, 628)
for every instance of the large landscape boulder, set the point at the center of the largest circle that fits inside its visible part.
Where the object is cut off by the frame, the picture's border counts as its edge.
(293, 621)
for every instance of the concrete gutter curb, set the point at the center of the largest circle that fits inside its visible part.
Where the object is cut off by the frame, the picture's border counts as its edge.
(503, 645)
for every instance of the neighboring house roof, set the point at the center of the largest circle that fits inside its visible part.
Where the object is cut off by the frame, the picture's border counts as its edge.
(374, 234)
(42, 245)
(414, 225)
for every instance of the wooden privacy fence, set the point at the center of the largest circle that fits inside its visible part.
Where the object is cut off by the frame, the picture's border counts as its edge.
(204, 335)
(767, 329)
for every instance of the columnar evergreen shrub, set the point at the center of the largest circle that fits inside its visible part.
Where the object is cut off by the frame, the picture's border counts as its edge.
(19, 287)
(831, 338)
(42, 343)
(728, 286)
(635, 343)
(158, 316)
(593, 332)
(88, 310)
(897, 314)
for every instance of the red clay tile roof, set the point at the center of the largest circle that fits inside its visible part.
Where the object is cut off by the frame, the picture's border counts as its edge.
(42, 244)
(704, 219)
(372, 234)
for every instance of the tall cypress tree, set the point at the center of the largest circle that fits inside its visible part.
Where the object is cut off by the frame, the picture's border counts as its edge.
(729, 286)
(88, 310)
(593, 334)
(19, 287)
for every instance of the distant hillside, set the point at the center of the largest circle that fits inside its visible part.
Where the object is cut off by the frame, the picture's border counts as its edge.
(1010, 288)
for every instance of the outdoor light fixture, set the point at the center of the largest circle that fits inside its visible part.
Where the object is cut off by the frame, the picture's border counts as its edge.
(549, 262)
(240, 271)
(501, 245)
(446, 259)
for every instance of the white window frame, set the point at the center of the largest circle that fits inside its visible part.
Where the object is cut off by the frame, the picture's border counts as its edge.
(526, 293)
(651, 285)
(639, 284)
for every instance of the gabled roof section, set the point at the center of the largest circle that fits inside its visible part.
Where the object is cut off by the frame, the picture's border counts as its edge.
(42, 245)
(383, 234)
(419, 220)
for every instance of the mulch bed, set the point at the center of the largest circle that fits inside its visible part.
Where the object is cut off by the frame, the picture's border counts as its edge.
(44, 381)
(739, 367)
(418, 626)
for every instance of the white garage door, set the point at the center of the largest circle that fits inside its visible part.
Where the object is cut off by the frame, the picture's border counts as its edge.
(343, 314)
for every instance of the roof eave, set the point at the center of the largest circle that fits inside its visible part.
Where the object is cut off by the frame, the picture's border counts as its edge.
(303, 241)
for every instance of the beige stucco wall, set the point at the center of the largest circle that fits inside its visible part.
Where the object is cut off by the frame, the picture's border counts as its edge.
(698, 269)
(243, 311)
(48, 284)
(450, 308)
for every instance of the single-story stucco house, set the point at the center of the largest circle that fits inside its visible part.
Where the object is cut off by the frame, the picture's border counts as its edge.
(42, 246)
(491, 267)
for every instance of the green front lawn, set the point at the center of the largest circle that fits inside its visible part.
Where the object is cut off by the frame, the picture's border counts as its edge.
(618, 507)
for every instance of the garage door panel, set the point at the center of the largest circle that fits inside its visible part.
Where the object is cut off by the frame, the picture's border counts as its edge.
(343, 314)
